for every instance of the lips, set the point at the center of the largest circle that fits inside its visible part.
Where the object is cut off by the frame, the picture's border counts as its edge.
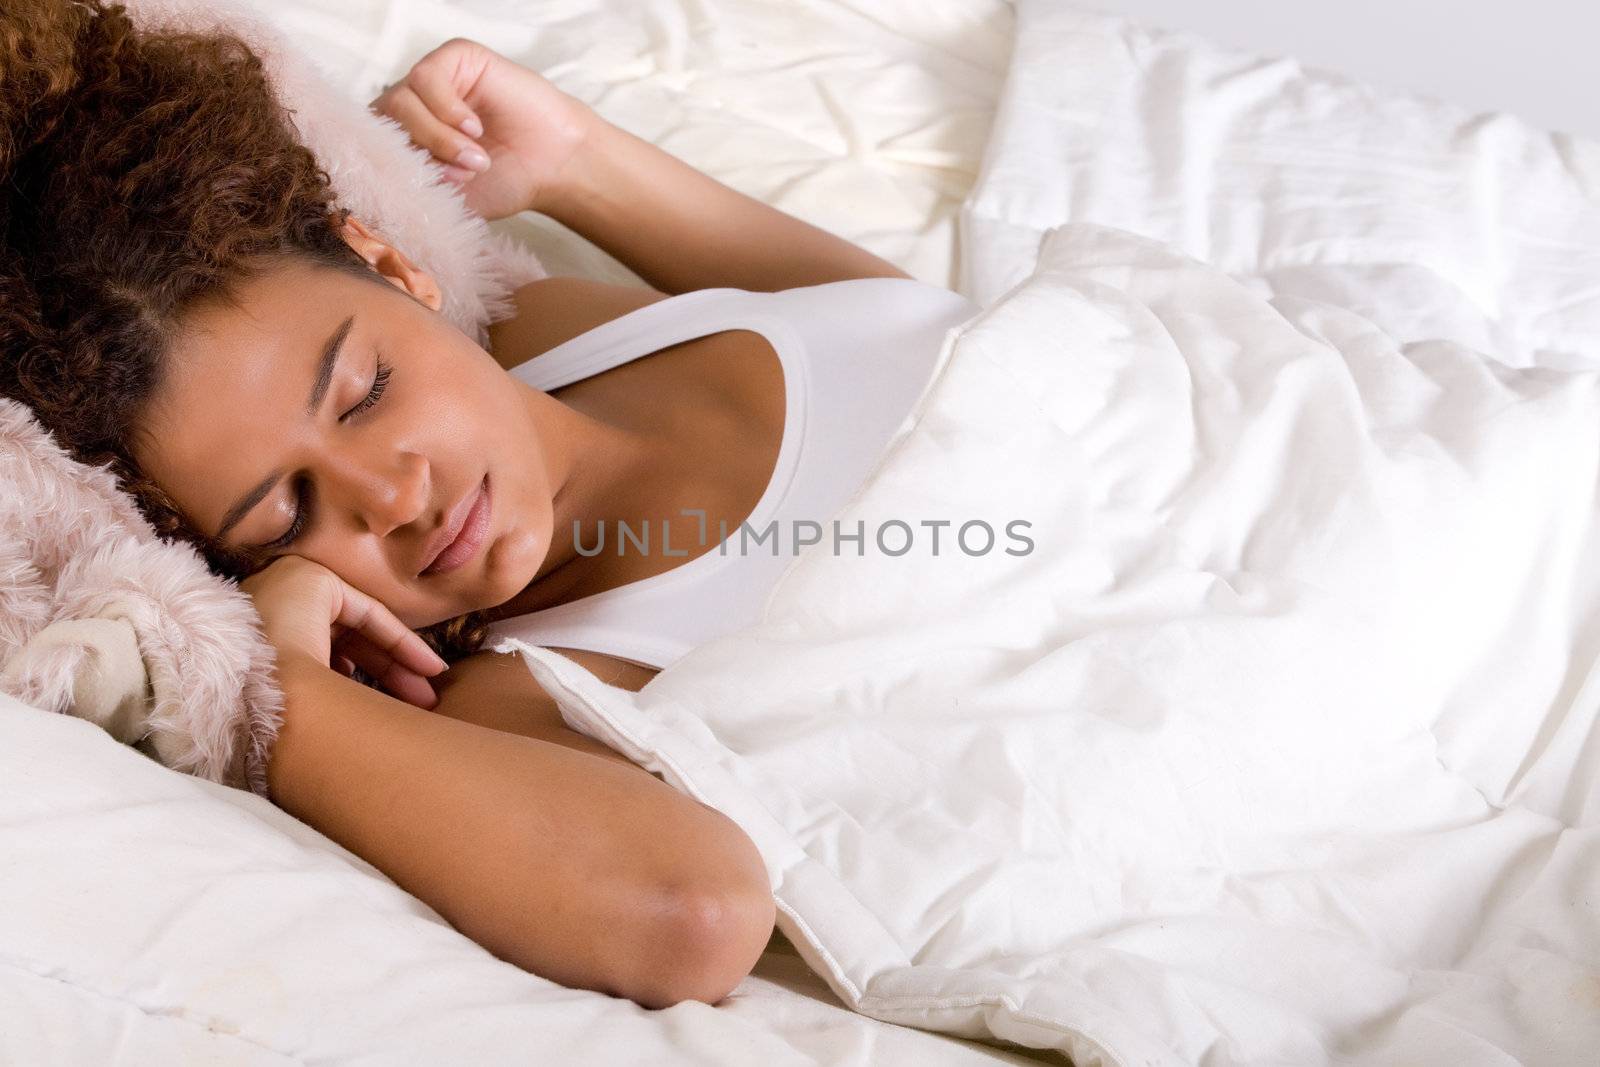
(463, 533)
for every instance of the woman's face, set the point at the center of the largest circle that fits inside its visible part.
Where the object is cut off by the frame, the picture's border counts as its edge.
(363, 473)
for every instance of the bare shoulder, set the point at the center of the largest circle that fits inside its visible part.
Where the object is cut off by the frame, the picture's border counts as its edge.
(554, 310)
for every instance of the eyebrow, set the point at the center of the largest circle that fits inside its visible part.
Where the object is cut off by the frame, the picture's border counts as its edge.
(319, 391)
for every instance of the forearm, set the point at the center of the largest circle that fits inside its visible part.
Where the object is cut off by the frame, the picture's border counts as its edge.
(556, 860)
(680, 230)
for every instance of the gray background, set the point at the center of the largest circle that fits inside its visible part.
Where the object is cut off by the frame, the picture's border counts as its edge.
(1533, 58)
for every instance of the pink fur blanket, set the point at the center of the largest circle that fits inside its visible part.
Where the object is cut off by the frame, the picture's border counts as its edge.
(194, 684)
(101, 618)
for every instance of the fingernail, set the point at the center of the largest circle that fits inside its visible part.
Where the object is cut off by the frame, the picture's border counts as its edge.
(471, 126)
(474, 157)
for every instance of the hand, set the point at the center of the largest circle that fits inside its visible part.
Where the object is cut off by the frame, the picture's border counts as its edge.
(306, 609)
(502, 132)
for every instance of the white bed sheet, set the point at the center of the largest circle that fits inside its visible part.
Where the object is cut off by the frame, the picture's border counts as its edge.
(151, 918)
(865, 117)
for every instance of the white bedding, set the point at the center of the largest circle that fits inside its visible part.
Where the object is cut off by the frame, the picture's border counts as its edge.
(146, 918)
(1430, 219)
(1282, 747)
(865, 117)
(1279, 748)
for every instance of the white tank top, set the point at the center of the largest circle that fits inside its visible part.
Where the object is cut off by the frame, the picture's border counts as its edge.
(856, 356)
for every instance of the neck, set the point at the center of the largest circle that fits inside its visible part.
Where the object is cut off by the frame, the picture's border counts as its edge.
(599, 467)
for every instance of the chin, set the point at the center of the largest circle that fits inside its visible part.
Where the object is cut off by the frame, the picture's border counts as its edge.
(512, 565)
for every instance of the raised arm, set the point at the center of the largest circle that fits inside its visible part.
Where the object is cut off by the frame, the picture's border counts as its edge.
(538, 148)
(679, 229)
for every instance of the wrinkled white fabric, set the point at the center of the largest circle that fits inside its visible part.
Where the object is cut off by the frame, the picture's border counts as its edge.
(1431, 220)
(233, 934)
(1277, 748)
(865, 117)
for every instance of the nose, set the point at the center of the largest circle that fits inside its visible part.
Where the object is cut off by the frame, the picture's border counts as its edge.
(382, 493)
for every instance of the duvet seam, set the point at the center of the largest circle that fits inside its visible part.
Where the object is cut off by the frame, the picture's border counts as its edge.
(998, 1000)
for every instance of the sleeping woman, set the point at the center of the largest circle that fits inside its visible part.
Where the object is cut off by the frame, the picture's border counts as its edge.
(180, 298)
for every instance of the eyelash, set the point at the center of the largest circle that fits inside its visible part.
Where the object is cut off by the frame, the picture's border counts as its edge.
(302, 511)
(380, 382)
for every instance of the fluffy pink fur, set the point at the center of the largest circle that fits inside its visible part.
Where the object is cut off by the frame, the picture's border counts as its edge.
(73, 546)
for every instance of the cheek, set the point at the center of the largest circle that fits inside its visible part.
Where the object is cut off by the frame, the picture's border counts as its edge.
(450, 412)
(359, 560)
(356, 560)
(413, 606)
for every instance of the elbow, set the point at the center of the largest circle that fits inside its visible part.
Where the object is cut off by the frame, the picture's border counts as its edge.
(712, 944)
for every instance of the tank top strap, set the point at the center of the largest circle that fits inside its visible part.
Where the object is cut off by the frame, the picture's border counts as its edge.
(670, 321)
(856, 355)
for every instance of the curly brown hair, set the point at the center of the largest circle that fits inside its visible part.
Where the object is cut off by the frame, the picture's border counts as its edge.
(142, 174)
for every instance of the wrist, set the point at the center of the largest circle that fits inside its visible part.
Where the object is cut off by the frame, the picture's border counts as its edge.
(580, 180)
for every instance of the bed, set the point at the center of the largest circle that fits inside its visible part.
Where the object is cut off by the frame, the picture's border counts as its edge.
(1052, 163)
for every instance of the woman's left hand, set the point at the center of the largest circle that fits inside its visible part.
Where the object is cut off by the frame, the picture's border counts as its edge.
(308, 610)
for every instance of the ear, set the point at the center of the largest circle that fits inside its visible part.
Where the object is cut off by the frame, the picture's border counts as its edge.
(392, 263)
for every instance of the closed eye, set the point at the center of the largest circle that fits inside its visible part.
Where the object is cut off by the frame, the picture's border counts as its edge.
(380, 382)
(302, 511)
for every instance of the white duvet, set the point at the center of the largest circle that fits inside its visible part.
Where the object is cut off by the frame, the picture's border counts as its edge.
(1280, 745)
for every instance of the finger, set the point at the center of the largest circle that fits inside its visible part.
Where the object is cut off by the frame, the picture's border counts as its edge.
(396, 680)
(379, 102)
(459, 175)
(364, 654)
(377, 624)
(411, 688)
(449, 145)
(369, 657)
(338, 656)
(431, 80)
